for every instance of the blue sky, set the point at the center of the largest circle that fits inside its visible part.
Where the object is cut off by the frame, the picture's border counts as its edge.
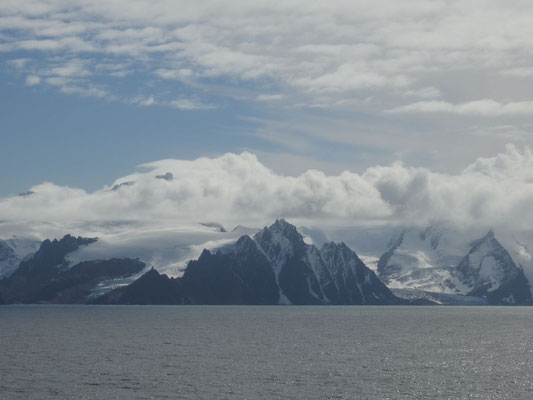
(91, 91)
(88, 142)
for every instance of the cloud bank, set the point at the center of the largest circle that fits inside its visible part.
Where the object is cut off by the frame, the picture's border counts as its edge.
(238, 189)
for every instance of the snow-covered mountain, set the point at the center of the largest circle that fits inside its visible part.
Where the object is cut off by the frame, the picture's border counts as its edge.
(167, 250)
(275, 266)
(447, 260)
(47, 276)
(14, 250)
(306, 275)
(489, 271)
(424, 259)
(282, 264)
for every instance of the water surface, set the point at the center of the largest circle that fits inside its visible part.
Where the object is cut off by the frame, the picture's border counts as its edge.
(143, 352)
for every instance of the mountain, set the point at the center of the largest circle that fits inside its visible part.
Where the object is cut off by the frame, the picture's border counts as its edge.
(441, 260)
(423, 259)
(489, 271)
(8, 259)
(151, 288)
(242, 275)
(168, 250)
(275, 266)
(13, 251)
(48, 277)
(356, 284)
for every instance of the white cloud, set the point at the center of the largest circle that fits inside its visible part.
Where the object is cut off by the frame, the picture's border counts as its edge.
(188, 104)
(485, 107)
(32, 80)
(328, 50)
(232, 189)
(269, 97)
(339, 66)
(18, 63)
(143, 101)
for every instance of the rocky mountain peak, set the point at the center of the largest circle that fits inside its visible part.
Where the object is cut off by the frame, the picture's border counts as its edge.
(488, 270)
(52, 253)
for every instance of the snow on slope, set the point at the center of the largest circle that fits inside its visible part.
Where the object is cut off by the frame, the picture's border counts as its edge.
(13, 250)
(424, 258)
(167, 250)
(520, 247)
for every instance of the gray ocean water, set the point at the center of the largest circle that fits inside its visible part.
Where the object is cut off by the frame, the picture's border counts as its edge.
(130, 352)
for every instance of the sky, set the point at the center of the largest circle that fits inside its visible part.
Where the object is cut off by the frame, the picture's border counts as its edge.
(340, 110)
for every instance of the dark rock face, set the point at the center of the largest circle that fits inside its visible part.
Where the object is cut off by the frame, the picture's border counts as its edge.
(489, 272)
(118, 186)
(274, 267)
(242, 276)
(46, 278)
(167, 177)
(385, 270)
(151, 288)
(51, 255)
(332, 275)
(286, 252)
(75, 284)
(355, 282)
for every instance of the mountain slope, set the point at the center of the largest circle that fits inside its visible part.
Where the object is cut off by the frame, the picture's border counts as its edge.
(489, 271)
(48, 277)
(424, 259)
(356, 284)
(441, 260)
(13, 251)
(275, 266)
(242, 276)
(151, 288)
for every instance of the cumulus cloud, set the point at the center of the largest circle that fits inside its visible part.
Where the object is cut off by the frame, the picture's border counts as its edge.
(237, 188)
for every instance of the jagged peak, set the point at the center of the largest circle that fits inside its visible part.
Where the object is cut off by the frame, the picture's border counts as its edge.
(281, 228)
(244, 243)
(487, 239)
(336, 246)
(67, 241)
(490, 234)
(153, 273)
(238, 227)
(281, 223)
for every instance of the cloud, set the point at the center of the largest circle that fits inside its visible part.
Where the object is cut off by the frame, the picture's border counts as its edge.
(237, 188)
(188, 104)
(269, 97)
(351, 76)
(327, 53)
(143, 101)
(18, 63)
(32, 80)
(486, 107)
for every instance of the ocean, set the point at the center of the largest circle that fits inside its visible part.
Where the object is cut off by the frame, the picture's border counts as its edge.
(248, 352)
